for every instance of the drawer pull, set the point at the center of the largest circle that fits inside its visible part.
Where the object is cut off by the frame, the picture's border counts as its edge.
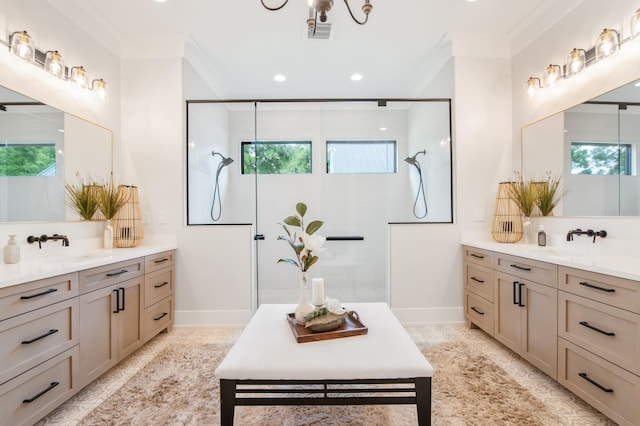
(522, 268)
(477, 280)
(473, 308)
(35, 339)
(594, 383)
(115, 274)
(164, 314)
(606, 333)
(161, 260)
(477, 256)
(51, 290)
(608, 290)
(33, 398)
(161, 285)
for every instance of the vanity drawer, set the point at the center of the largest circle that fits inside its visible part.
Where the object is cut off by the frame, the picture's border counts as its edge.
(479, 280)
(613, 291)
(157, 286)
(159, 261)
(609, 388)
(612, 333)
(103, 276)
(478, 311)
(541, 272)
(18, 299)
(157, 318)
(46, 386)
(478, 256)
(31, 338)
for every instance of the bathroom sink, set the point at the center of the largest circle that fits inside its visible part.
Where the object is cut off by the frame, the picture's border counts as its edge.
(76, 259)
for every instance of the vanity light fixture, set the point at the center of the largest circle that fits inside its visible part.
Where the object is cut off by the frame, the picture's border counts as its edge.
(533, 85)
(21, 45)
(53, 63)
(99, 87)
(607, 44)
(576, 62)
(321, 7)
(552, 74)
(635, 24)
(79, 77)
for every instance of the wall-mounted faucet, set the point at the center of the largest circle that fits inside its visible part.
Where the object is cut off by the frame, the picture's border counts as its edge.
(589, 232)
(44, 238)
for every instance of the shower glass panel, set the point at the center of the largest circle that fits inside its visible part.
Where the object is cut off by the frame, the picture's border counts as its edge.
(629, 129)
(357, 182)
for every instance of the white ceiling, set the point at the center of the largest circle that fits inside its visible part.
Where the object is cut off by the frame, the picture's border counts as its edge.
(244, 45)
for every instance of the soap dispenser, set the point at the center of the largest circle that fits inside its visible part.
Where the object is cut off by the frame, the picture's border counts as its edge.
(542, 236)
(12, 250)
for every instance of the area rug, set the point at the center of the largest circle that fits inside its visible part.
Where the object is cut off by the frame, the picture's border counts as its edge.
(178, 387)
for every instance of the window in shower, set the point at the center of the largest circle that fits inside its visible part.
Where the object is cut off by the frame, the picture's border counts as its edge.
(361, 156)
(276, 157)
(601, 158)
(28, 159)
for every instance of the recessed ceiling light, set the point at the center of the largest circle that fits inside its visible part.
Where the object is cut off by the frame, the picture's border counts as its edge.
(637, 84)
(161, 1)
(383, 129)
(279, 77)
(356, 77)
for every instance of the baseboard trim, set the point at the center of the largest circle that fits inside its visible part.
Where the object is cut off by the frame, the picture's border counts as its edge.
(429, 315)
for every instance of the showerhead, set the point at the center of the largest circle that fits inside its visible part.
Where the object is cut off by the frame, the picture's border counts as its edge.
(412, 160)
(225, 160)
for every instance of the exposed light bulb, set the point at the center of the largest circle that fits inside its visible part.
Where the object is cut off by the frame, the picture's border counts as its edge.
(533, 84)
(22, 46)
(607, 43)
(79, 77)
(53, 64)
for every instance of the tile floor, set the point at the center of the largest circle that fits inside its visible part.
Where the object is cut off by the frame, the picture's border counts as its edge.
(567, 406)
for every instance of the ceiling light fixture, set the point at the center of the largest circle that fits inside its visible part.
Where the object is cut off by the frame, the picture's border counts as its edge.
(279, 77)
(356, 77)
(321, 7)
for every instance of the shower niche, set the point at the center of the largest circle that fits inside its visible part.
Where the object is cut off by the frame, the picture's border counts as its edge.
(250, 162)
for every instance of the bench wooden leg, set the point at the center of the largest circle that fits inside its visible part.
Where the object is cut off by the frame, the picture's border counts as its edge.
(227, 401)
(423, 400)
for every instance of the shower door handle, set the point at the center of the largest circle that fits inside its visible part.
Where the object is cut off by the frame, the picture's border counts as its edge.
(258, 237)
(345, 238)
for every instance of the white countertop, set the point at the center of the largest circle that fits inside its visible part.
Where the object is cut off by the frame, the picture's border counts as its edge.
(72, 261)
(620, 261)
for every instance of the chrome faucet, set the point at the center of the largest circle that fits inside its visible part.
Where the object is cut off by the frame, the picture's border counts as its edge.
(44, 238)
(588, 232)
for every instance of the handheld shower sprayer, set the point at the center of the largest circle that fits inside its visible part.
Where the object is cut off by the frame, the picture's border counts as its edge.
(216, 186)
(414, 162)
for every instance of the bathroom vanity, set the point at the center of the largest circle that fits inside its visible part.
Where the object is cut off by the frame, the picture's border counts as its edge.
(574, 316)
(65, 321)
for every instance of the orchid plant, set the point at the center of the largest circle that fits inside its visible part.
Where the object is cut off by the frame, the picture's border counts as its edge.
(305, 245)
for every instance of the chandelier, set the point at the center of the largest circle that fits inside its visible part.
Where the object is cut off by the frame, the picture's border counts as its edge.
(321, 7)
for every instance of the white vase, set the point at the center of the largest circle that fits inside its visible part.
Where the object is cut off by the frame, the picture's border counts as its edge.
(108, 235)
(526, 230)
(304, 307)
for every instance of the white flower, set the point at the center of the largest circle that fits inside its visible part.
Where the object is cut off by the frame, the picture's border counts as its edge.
(334, 306)
(313, 242)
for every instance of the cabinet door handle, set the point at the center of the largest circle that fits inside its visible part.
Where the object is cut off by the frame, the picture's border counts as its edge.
(115, 274)
(477, 280)
(117, 308)
(164, 314)
(161, 260)
(33, 398)
(606, 333)
(31, 296)
(42, 336)
(594, 383)
(161, 285)
(121, 289)
(608, 290)
(473, 308)
(515, 298)
(522, 268)
(477, 256)
(520, 286)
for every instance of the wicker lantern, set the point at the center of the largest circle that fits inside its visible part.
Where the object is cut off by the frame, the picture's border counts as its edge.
(127, 223)
(507, 218)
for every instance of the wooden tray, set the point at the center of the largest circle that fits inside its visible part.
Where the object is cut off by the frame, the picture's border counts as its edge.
(351, 327)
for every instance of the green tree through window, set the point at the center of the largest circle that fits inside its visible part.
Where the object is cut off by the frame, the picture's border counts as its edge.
(276, 157)
(591, 158)
(27, 159)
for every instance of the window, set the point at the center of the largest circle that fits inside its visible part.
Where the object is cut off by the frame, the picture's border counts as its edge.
(363, 156)
(276, 157)
(38, 159)
(601, 158)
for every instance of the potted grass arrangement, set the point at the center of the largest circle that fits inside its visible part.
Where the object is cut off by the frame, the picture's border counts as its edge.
(110, 199)
(524, 195)
(81, 198)
(548, 194)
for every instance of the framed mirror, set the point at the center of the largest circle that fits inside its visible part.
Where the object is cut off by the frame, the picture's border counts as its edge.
(594, 147)
(40, 148)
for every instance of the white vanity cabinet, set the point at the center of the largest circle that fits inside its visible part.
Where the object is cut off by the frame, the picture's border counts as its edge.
(39, 351)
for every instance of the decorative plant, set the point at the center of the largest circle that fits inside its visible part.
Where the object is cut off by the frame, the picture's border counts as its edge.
(548, 194)
(81, 198)
(524, 194)
(306, 243)
(110, 198)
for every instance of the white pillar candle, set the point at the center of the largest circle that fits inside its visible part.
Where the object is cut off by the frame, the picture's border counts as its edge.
(317, 291)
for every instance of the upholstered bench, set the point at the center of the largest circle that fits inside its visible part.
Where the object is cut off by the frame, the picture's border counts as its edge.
(266, 365)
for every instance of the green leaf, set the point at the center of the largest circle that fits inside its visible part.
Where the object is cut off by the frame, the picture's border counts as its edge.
(289, 261)
(292, 221)
(314, 226)
(310, 261)
(301, 208)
